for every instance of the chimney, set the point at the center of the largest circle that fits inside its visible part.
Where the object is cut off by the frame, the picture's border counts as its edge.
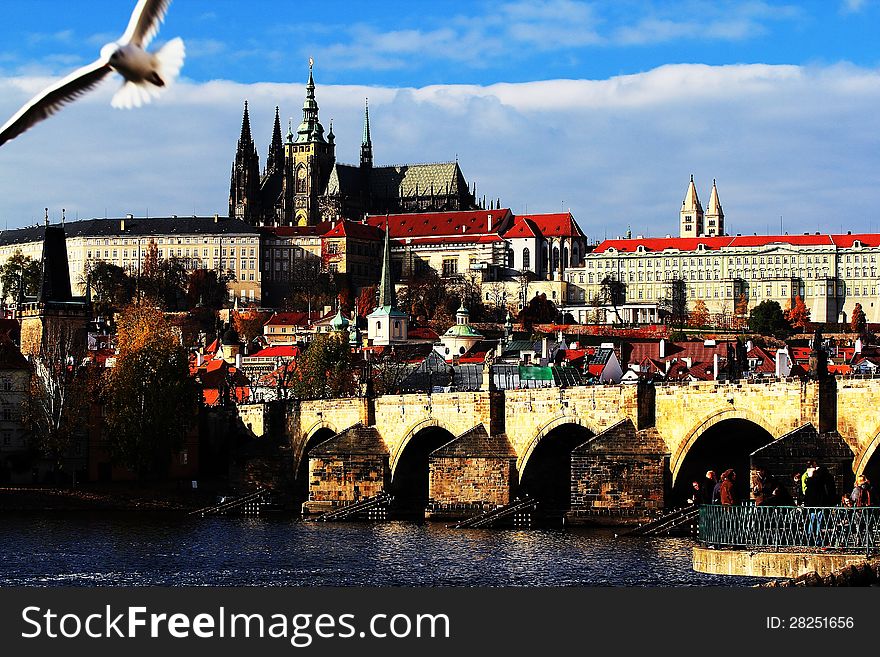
(216, 218)
(749, 345)
(545, 352)
(716, 361)
(662, 348)
(858, 347)
(489, 227)
(122, 225)
(238, 361)
(200, 359)
(782, 366)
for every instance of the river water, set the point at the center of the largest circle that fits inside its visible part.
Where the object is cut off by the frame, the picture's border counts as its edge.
(142, 549)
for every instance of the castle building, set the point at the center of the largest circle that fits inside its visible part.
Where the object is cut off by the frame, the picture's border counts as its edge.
(304, 185)
(831, 273)
(199, 242)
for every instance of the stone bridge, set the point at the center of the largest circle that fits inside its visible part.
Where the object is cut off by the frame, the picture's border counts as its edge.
(608, 450)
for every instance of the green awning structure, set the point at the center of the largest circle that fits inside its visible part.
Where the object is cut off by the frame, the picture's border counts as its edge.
(535, 373)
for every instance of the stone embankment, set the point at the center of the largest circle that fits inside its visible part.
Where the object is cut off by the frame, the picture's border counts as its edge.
(864, 574)
(96, 498)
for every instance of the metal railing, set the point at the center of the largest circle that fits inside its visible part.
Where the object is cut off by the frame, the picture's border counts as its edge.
(811, 528)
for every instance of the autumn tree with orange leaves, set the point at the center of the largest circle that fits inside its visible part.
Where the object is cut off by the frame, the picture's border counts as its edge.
(799, 315)
(151, 400)
(700, 314)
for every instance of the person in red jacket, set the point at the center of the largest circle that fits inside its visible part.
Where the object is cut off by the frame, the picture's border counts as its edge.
(728, 494)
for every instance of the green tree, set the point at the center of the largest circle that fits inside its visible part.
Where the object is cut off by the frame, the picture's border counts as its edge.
(151, 400)
(209, 288)
(675, 304)
(325, 370)
(612, 292)
(540, 310)
(165, 283)
(112, 287)
(17, 268)
(767, 318)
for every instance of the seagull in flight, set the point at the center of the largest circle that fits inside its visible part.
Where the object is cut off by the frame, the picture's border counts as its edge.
(144, 73)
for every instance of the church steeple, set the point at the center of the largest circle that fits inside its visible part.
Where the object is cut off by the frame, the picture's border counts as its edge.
(386, 285)
(244, 185)
(366, 141)
(691, 215)
(714, 214)
(275, 160)
(386, 324)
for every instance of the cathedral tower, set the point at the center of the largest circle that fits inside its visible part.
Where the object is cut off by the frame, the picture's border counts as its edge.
(244, 186)
(309, 158)
(691, 215)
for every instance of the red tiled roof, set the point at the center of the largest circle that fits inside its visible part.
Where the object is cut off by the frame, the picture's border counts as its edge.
(715, 243)
(297, 231)
(291, 319)
(560, 224)
(637, 351)
(422, 334)
(846, 241)
(522, 227)
(276, 351)
(356, 229)
(436, 224)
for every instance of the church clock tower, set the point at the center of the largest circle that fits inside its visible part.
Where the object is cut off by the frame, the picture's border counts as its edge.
(309, 157)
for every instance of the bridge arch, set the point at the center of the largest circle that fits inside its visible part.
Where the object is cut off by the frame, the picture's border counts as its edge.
(867, 461)
(545, 466)
(317, 434)
(410, 465)
(706, 423)
(556, 422)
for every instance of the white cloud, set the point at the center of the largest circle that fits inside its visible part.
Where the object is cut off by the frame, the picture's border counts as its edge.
(509, 30)
(852, 6)
(803, 142)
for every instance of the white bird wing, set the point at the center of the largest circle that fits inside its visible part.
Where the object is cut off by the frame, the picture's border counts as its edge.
(145, 21)
(54, 97)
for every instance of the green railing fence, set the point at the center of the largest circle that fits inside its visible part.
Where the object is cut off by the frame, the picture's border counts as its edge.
(748, 526)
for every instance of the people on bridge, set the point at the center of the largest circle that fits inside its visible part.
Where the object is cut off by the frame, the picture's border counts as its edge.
(728, 488)
(797, 487)
(696, 497)
(863, 492)
(707, 488)
(779, 496)
(762, 486)
(819, 486)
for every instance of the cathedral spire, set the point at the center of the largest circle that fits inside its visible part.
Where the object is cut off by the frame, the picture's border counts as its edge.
(245, 179)
(386, 286)
(275, 160)
(245, 138)
(366, 141)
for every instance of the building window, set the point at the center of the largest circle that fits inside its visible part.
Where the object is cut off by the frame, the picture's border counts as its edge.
(526, 259)
(450, 267)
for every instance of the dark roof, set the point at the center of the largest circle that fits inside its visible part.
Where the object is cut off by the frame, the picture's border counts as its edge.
(354, 440)
(10, 357)
(136, 227)
(476, 442)
(399, 181)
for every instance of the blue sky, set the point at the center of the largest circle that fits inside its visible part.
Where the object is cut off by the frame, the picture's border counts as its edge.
(605, 108)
